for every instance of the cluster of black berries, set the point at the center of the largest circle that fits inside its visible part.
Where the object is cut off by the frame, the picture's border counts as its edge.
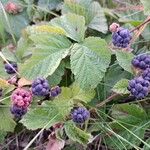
(41, 87)
(11, 68)
(139, 86)
(121, 37)
(80, 115)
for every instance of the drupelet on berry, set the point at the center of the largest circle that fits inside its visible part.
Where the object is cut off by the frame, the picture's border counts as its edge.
(55, 91)
(80, 115)
(18, 111)
(139, 87)
(40, 87)
(1, 90)
(121, 38)
(11, 68)
(146, 74)
(141, 61)
(21, 97)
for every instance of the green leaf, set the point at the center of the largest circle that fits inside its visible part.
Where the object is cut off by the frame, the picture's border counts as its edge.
(124, 60)
(48, 4)
(2, 136)
(47, 54)
(146, 5)
(129, 113)
(81, 95)
(56, 77)
(121, 87)
(77, 134)
(89, 62)
(7, 123)
(73, 24)
(92, 11)
(49, 113)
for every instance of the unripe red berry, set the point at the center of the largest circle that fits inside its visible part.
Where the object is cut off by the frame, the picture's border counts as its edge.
(114, 27)
(13, 8)
(21, 97)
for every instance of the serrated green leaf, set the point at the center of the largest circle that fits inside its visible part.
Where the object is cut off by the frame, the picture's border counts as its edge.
(49, 113)
(124, 60)
(92, 11)
(146, 5)
(89, 62)
(76, 134)
(73, 24)
(48, 52)
(121, 87)
(7, 123)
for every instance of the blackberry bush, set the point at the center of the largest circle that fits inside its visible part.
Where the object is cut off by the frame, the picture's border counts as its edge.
(80, 115)
(141, 61)
(139, 87)
(40, 87)
(55, 91)
(18, 111)
(121, 38)
(21, 97)
(10, 68)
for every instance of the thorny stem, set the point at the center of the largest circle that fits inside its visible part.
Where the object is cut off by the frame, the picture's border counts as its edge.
(107, 100)
(142, 24)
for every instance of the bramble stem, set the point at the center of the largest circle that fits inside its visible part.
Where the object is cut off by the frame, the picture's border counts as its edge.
(107, 100)
(142, 24)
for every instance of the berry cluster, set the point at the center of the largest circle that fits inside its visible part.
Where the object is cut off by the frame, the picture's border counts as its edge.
(1, 90)
(55, 91)
(40, 87)
(80, 115)
(21, 100)
(141, 61)
(146, 74)
(11, 68)
(139, 87)
(121, 38)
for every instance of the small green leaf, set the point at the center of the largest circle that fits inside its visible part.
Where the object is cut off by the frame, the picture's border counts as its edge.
(7, 123)
(2, 136)
(121, 87)
(146, 5)
(73, 24)
(77, 134)
(124, 60)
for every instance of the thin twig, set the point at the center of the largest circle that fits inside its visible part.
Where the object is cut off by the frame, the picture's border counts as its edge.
(108, 100)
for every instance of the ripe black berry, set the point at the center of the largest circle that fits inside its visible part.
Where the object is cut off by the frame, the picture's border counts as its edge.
(40, 87)
(11, 68)
(17, 111)
(141, 61)
(80, 115)
(55, 91)
(121, 38)
(139, 87)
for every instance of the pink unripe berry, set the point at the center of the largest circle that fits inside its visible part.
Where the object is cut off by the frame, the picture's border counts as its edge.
(13, 8)
(114, 27)
(21, 97)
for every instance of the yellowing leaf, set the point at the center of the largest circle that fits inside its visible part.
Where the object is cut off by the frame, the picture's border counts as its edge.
(23, 81)
(3, 83)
